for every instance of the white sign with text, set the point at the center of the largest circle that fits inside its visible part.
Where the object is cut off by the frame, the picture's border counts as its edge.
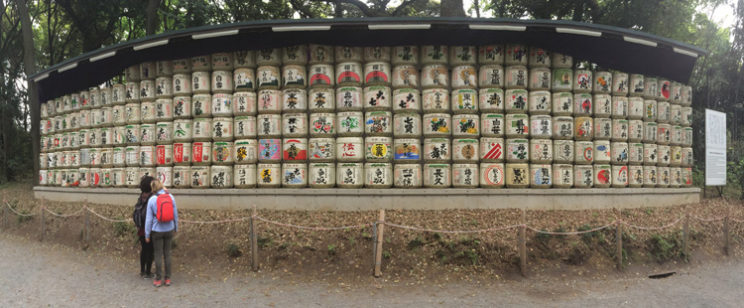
(715, 148)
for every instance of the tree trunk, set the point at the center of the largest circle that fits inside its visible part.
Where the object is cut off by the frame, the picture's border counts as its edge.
(152, 16)
(29, 66)
(451, 8)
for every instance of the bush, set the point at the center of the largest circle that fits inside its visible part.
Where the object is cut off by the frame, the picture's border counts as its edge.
(123, 228)
(233, 251)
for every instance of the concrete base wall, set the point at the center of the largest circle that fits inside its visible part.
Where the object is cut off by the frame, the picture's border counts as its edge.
(372, 199)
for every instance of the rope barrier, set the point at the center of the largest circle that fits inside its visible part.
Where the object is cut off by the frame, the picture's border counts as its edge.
(313, 228)
(105, 218)
(213, 222)
(64, 215)
(736, 220)
(653, 228)
(709, 219)
(450, 231)
(573, 232)
(17, 213)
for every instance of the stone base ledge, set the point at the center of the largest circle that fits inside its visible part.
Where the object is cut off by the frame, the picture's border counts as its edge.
(338, 199)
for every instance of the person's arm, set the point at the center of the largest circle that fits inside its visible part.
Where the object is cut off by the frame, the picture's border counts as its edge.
(175, 213)
(149, 217)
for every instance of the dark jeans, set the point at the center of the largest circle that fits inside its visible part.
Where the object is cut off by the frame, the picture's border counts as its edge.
(146, 255)
(162, 243)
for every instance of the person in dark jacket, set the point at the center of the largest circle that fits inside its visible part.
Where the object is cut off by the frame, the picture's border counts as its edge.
(147, 251)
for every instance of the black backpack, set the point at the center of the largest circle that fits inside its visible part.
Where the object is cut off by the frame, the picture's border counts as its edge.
(140, 212)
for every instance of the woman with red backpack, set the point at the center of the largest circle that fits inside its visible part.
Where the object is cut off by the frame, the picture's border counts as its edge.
(161, 224)
(139, 215)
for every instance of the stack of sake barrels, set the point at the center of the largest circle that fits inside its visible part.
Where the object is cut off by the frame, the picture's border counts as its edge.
(377, 117)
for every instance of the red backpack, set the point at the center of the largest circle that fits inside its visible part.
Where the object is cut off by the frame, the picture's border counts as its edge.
(164, 208)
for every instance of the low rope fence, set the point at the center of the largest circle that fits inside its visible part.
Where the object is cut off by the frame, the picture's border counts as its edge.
(378, 230)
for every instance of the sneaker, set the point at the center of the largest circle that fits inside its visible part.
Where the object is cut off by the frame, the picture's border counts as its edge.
(156, 283)
(167, 282)
(143, 275)
(149, 276)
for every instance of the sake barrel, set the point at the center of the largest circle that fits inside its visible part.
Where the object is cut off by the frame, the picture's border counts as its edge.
(602, 105)
(147, 134)
(321, 175)
(563, 175)
(54, 159)
(583, 127)
(619, 107)
(686, 117)
(322, 149)
(132, 95)
(517, 151)
(540, 102)
(542, 126)
(270, 56)
(349, 73)
(295, 54)
(294, 100)
(182, 153)
(434, 54)
(378, 123)
(620, 152)
(378, 149)
(517, 125)
(462, 55)
(651, 90)
(541, 175)
(269, 150)
(563, 127)
(437, 150)
(663, 134)
(517, 175)
(664, 112)
(244, 151)
(200, 177)
(676, 114)
(491, 54)
(465, 175)
(467, 125)
(620, 83)
(244, 176)
(143, 172)
(222, 105)
(95, 177)
(294, 149)
(664, 177)
(465, 150)
(221, 176)
(464, 77)
(131, 177)
(222, 153)
(602, 82)
(406, 150)
(492, 124)
(562, 79)
(406, 100)
(163, 68)
(516, 101)
(650, 131)
(584, 151)
(635, 130)
(491, 100)
(181, 84)
(635, 153)
(164, 132)
(377, 98)
(244, 127)
(182, 130)
(294, 125)
(650, 176)
(118, 177)
(437, 175)
(563, 151)
(349, 98)
(244, 79)
(322, 124)
(268, 77)
(106, 155)
(637, 85)
(539, 78)
(201, 153)
(244, 58)
(200, 82)
(665, 155)
(350, 123)
(582, 81)
(436, 100)
(634, 176)
(408, 54)
(321, 75)
(541, 151)
(347, 53)
(269, 101)
(434, 76)
(376, 72)
(602, 128)
(491, 76)
(687, 159)
(516, 54)
(491, 175)
(132, 135)
(664, 89)
(407, 175)
(378, 175)
(620, 130)
(132, 113)
(201, 105)
(147, 156)
(349, 175)
(118, 115)
(294, 175)
(602, 152)
(687, 139)
(583, 176)
(562, 104)
(268, 125)
(582, 104)
(676, 160)
(650, 154)
(202, 129)
(687, 177)
(321, 100)
(516, 77)
(164, 155)
(164, 87)
(165, 175)
(602, 176)
(349, 149)
(650, 110)
(539, 57)
(676, 177)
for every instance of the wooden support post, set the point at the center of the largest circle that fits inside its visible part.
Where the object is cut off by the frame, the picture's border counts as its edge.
(5, 211)
(378, 250)
(523, 244)
(619, 242)
(685, 236)
(87, 223)
(726, 235)
(254, 241)
(41, 210)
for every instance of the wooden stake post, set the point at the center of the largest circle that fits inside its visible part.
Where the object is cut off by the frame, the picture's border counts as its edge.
(254, 241)
(619, 240)
(523, 244)
(41, 209)
(5, 211)
(378, 250)
(726, 235)
(87, 222)
(685, 235)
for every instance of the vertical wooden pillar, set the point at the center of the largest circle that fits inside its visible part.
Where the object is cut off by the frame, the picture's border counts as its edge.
(254, 240)
(523, 244)
(686, 236)
(726, 235)
(619, 242)
(378, 250)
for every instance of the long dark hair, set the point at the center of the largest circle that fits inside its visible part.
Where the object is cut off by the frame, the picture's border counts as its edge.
(145, 186)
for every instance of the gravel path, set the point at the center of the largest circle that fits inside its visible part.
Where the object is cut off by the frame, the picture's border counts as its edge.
(41, 274)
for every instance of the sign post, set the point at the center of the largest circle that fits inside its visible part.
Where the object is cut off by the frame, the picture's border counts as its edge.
(715, 148)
